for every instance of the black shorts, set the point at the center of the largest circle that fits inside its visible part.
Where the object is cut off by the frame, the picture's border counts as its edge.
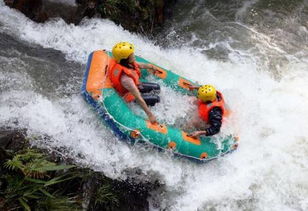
(149, 92)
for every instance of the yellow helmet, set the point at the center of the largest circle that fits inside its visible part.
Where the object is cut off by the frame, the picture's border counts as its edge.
(122, 50)
(207, 93)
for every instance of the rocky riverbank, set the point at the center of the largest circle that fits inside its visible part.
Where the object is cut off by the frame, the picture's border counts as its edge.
(34, 179)
(143, 16)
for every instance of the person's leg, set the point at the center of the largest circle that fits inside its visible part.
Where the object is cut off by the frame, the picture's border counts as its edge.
(147, 87)
(129, 84)
(148, 92)
(150, 100)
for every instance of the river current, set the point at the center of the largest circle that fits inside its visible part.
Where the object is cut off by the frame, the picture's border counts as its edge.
(255, 52)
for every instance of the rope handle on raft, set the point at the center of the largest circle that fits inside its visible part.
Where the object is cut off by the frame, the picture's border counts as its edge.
(186, 83)
(157, 71)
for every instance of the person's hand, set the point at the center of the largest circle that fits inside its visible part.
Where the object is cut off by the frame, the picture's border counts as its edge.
(191, 87)
(154, 69)
(196, 134)
(152, 118)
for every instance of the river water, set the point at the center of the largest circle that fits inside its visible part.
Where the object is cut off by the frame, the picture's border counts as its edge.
(255, 52)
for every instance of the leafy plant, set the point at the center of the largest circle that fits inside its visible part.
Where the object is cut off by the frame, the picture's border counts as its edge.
(31, 182)
(33, 164)
(104, 196)
(30, 187)
(63, 203)
(27, 190)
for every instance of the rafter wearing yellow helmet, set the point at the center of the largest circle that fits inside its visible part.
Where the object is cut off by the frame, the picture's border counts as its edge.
(207, 93)
(125, 75)
(122, 50)
(211, 111)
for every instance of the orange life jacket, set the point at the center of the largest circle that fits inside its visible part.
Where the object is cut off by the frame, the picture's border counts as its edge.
(205, 108)
(115, 76)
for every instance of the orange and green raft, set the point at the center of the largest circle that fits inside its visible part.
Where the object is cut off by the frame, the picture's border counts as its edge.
(115, 113)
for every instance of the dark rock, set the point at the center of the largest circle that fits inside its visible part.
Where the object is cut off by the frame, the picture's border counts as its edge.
(60, 10)
(135, 15)
(31, 8)
(3, 156)
(87, 8)
(13, 139)
(133, 195)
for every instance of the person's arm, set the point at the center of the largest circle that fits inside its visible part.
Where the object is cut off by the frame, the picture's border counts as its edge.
(196, 134)
(129, 84)
(215, 122)
(192, 87)
(149, 67)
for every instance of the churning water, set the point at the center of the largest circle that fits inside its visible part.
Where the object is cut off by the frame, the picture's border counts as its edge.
(255, 53)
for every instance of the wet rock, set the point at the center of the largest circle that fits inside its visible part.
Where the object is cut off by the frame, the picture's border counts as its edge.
(3, 155)
(13, 139)
(135, 15)
(40, 11)
(143, 16)
(87, 8)
(58, 9)
(33, 9)
(133, 195)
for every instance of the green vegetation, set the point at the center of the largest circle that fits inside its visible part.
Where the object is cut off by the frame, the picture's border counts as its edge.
(30, 181)
(33, 164)
(104, 197)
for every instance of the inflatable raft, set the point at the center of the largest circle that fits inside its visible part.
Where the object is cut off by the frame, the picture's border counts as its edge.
(115, 113)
